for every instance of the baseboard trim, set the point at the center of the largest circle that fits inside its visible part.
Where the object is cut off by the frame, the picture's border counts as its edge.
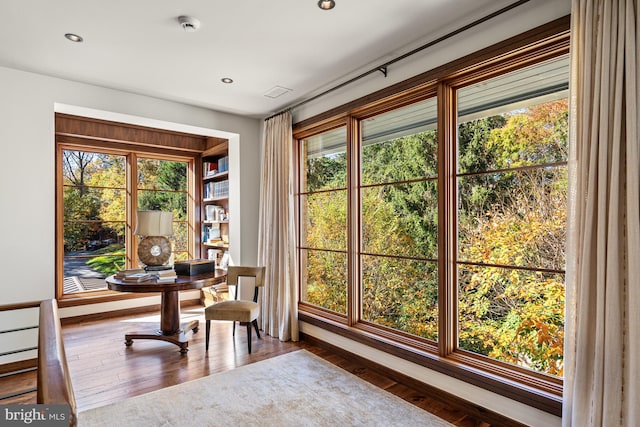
(495, 419)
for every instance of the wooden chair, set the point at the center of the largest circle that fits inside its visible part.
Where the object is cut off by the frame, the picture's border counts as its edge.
(237, 310)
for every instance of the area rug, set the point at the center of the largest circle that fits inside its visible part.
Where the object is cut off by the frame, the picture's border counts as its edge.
(294, 389)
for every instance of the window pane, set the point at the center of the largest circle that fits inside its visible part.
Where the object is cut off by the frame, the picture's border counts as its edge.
(324, 279)
(162, 185)
(515, 218)
(94, 218)
(401, 294)
(81, 168)
(94, 204)
(516, 316)
(512, 190)
(154, 174)
(325, 161)
(401, 219)
(325, 220)
(180, 236)
(400, 145)
(518, 119)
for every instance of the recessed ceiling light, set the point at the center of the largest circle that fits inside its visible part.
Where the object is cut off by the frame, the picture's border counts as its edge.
(74, 37)
(226, 80)
(326, 4)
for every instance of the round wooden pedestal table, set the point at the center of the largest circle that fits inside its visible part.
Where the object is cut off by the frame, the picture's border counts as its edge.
(171, 330)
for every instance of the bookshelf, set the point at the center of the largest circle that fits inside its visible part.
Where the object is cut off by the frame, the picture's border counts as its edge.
(215, 216)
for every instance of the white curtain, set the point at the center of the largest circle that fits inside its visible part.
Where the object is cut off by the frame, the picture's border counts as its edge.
(276, 234)
(602, 343)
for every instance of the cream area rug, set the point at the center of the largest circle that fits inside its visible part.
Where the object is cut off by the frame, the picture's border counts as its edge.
(294, 389)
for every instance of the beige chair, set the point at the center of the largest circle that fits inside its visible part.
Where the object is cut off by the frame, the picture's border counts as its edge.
(237, 310)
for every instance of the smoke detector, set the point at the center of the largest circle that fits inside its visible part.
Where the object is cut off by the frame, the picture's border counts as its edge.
(188, 23)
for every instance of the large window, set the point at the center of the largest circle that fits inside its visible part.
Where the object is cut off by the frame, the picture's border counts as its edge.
(100, 198)
(512, 189)
(435, 221)
(399, 219)
(323, 247)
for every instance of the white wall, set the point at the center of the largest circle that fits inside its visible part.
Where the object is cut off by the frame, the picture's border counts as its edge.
(27, 175)
(519, 20)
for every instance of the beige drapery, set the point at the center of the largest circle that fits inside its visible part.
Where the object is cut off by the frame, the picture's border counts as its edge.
(276, 234)
(602, 343)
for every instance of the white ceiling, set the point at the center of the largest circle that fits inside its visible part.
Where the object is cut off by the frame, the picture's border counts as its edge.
(139, 46)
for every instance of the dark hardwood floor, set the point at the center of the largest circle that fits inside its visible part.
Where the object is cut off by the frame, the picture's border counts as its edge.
(104, 370)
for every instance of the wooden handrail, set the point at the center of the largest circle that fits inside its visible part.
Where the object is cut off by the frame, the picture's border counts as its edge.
(54, 380)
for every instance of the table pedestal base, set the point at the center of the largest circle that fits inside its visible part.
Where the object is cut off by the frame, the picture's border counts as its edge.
(178, 337)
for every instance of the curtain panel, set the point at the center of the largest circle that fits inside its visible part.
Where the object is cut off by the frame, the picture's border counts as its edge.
(276, 234)
(602, 343)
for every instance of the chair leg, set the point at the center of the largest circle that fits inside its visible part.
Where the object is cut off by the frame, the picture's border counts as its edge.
(208, 329)
(234, 328)
(249, 336)
(255, 325)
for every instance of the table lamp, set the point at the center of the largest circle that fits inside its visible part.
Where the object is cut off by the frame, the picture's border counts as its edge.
(154, 250)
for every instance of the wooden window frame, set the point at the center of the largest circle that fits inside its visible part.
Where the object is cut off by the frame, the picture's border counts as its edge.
(132, 142)
(537, 390)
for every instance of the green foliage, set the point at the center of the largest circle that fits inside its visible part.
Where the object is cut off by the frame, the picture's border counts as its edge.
(163, 183)
(513, 218)
(326, 172)
(79, 206)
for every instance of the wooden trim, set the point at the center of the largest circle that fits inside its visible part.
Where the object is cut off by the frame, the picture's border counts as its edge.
(117, 132)
(353, 308)
(544, 400)
(93, 297)
(54, 379)
(216, 147)
(532, 41)
(447, 204)
(120, 146)
(450, 400)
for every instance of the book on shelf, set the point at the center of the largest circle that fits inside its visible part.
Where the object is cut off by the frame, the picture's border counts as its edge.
(223, 164)
(209, 168)
(216, 189)
(213, 213)
(210, 233)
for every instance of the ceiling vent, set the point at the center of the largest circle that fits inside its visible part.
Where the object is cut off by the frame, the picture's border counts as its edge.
(276, 91)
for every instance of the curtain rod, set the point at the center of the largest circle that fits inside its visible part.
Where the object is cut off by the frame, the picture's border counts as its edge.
(383, 68)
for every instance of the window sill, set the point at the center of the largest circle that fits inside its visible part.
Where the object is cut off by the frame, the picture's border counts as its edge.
(95, 297)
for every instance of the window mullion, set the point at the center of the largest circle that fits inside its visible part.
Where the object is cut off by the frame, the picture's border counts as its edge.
(354, 288)
(447, 238)
(132, 203)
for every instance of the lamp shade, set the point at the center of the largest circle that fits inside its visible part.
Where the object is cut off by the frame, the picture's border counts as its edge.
(154, 223)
